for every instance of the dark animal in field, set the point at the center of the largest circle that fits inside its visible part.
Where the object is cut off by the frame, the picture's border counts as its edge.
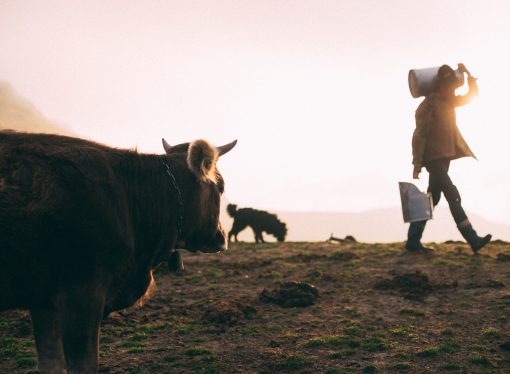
(259, 221)
(83, 226)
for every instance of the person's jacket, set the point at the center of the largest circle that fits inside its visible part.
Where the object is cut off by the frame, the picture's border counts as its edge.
(436, 135)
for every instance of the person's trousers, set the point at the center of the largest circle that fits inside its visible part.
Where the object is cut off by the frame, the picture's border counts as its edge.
(440, 182)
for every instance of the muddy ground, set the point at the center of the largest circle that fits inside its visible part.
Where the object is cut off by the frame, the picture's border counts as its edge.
(372, 309)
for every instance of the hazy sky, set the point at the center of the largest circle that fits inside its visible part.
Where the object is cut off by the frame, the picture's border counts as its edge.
(315, 91)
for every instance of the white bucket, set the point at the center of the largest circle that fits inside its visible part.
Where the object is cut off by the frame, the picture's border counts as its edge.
(416, 205)
(424, 81)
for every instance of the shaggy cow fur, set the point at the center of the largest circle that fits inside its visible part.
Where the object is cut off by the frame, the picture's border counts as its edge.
(83, 226)
(258, 220)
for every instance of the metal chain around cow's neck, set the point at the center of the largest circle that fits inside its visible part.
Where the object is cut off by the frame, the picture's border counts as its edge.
(179, 198)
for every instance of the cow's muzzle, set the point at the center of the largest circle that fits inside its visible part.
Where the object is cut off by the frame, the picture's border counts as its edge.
(218, 244)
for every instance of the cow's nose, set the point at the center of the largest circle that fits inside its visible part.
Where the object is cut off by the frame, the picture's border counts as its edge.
(221, 239)
(222, 247)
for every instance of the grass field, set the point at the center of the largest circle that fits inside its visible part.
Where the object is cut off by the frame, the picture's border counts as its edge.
(379, 310)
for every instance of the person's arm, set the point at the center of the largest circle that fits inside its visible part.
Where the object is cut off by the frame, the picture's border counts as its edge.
(473, 88)
(420, 136)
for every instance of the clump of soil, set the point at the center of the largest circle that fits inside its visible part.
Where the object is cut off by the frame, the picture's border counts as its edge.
(228, 312)
(291, 294)
(411, 285)
(503, 257)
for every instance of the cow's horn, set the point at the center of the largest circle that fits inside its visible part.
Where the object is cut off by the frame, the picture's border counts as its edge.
(166, 146)
(225, 148)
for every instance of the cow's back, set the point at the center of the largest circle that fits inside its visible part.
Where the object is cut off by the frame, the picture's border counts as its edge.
(58, 203)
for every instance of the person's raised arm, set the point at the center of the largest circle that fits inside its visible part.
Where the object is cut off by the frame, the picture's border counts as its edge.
(473, 88)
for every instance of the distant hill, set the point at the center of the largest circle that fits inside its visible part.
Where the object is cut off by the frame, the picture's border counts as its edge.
(378, 225)
(17, 113)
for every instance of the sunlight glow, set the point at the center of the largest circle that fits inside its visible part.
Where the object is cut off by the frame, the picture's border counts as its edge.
(316, 93)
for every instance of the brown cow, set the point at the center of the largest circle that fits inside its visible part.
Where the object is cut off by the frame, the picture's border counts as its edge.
(83, 225)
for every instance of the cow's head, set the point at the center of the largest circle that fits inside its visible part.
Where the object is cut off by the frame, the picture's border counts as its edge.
(201, 229)
(281, 232)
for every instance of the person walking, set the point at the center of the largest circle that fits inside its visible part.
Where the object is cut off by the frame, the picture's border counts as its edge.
(436, 142)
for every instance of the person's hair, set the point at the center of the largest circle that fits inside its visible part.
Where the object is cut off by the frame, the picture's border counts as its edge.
(446, 76)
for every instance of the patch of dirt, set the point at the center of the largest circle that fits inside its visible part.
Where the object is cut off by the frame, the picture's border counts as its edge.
(411, 285)
(291, 294)
(228, 313)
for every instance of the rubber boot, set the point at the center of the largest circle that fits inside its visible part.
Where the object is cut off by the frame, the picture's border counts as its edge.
(414, 237)
(476, 242)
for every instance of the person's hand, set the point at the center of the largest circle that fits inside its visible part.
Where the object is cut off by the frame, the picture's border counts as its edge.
(416, 174)
(463, 68)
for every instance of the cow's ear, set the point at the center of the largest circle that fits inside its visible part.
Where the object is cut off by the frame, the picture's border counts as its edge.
(202, 159)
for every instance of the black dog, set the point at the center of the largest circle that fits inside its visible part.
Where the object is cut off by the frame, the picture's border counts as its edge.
(258, 220)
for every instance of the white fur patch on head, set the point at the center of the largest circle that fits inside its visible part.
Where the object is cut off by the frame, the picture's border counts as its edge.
(202, 159)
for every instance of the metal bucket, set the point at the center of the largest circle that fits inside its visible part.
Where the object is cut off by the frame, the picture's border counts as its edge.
(416, 205)
(424, 81)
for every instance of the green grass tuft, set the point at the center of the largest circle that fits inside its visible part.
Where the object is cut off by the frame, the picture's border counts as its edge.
(412, 312)
(480, 360)
(451, 367)
(375, 344)
(428, 352)
(292, 363)
(404, 331)
(447, 332)
(197, 351)
(342, 354)
(340, 340)
(353, 330)
(491, 333)
(449, 347)
(402, 366)
(351, 310)
(370, 369)
(25, 361)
